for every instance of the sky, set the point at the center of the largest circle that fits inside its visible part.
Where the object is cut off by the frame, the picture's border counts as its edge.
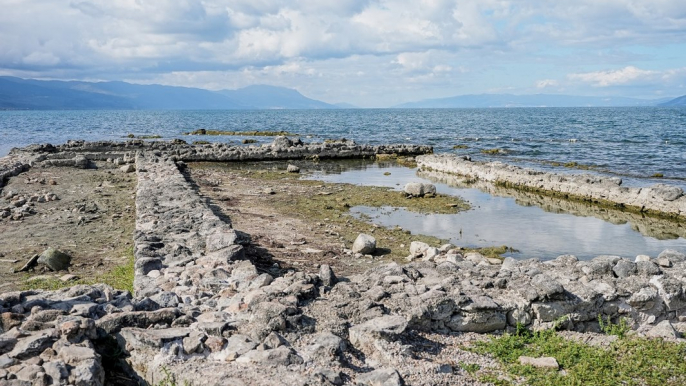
(370, 53)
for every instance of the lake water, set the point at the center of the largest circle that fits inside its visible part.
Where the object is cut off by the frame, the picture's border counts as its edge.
(536, 226)
(635, 143)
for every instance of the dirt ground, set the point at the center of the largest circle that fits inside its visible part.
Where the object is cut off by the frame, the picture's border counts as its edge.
(302, 224)
(92, 220)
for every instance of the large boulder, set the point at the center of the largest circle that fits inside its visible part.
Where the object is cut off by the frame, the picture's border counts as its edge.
(54, 259)
(418, 189)
(364, 244)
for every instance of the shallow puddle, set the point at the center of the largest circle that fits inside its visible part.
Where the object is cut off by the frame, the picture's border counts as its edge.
(535, 226)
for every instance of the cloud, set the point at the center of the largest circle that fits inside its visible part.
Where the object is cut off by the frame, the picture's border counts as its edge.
(388, 49)
(626, 75)
(547, 83)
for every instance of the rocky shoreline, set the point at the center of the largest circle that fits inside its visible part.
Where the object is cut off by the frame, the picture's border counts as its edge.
(203, 313)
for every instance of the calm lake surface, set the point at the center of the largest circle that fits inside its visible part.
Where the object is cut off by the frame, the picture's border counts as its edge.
(537, 227)
(635, 143)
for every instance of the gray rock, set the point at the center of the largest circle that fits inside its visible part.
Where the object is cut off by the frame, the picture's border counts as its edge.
(672, 255)
(54, 259)
(57, 371)
(29, 372)
(546, 286)
(384, 327)
(380, 377)
(293, 169)
(327, 276)
(664, 329)
(33, 345)
(624, 268)
(647, 268)
(238, 345)
(364, 244)
(194, 342)
(130, 168)
(667, 192)
(417, 189)
(485, 321)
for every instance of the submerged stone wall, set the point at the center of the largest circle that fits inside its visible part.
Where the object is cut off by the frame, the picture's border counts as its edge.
(661, 199)
(205, 314)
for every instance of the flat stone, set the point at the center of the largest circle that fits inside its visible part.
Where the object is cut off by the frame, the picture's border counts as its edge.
(542, 362)
(664, 329)
(384, 327)
(380, 377)
(112, 323)
(33, 345)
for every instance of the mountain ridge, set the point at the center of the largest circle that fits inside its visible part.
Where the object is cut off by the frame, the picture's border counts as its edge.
(33, 94)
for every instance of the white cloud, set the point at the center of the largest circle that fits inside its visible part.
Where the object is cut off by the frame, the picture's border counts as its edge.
(547, 83)
(626, 75)
(397, 48)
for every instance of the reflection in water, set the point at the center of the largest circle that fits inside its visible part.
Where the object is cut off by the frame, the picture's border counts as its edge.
(661, 229)
(535, 225)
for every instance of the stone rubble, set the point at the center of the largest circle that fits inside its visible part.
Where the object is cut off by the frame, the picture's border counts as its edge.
(203, 313)
(661, 199)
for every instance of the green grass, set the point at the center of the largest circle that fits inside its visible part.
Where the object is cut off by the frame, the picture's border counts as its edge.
(628, 360)
(120, 277)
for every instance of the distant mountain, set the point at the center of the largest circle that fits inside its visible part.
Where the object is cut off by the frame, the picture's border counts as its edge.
(537, 100)
(272, 97)
(22, 94)
(680, 101)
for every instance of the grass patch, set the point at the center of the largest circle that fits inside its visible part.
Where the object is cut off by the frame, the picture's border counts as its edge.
(470, 368)
(495, 252)
(120, 277)
(253, 133)
(628, 361)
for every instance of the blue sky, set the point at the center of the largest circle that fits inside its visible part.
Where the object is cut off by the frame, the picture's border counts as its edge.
(366, 52)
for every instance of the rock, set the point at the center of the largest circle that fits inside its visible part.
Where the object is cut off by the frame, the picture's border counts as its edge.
(417, 248)
(237, 345)
(194, 342)
(664, 329)
(667, 192)
(672, 255)
(33, 345)
(641, 258)
(364, 244)
(327, 276)
(130, 168)
(54, 259)
(384, 327)
(293, 169)
(624, 268)
(542, 362)
(112, 323)
(380, 377)
(480, 321)
(647, 268)
(68, 277)
(417, 189)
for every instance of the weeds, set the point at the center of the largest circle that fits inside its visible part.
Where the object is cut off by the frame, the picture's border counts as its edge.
(619, 330)
(628, 360)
